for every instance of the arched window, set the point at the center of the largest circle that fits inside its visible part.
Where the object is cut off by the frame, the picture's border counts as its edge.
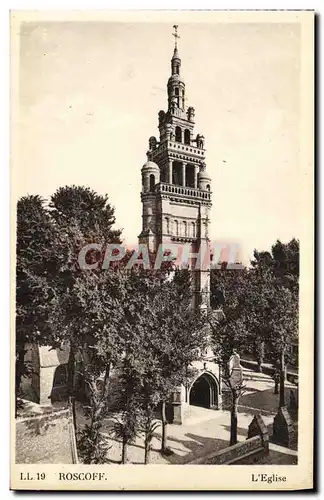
(177, 70)
(178, 134)
(152, 182)
(167, 225)
(176, 228)
(187, 136)
(177, 96)
(193, 230)
(184, 228)
(208, 187)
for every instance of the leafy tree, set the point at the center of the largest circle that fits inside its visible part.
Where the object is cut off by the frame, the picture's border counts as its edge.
(230, 331)
(257, 312)
(252, 297)
(48, 244)
(84, 208)
(98, 353)
(237, 390)
(149, 426)
(127, 423)
(157, 343)
(107, 309)
(92, 445)
(137, 390)
(80, 217)
(181, 333)
(283, 261)
(169, 342)
(280, 266)
(94, 310)
(108, 318)
(229, 291)
(283, 325)
(36, 268)
(260, 309)
(279, 290)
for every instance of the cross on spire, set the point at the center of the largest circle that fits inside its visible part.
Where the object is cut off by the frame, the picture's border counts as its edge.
(175, 34)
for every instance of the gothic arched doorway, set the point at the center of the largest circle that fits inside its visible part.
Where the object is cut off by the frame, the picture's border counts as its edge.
(59, 386)
(203, 392)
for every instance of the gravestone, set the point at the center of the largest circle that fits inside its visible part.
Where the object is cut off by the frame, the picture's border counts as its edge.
(235, 370)
(283, 428)
(178, 407)
(258, 428)
(293, 400)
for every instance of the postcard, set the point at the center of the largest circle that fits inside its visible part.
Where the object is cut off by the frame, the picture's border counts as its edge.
(162, 201)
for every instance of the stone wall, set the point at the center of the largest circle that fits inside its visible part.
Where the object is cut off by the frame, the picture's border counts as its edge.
(233, 454)
(47, 438)
(255, 446)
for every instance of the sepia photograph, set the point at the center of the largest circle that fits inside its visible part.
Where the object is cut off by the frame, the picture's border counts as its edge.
(162, 270)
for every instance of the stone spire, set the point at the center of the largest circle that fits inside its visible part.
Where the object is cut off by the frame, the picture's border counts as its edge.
(175, 61)
(176, 86)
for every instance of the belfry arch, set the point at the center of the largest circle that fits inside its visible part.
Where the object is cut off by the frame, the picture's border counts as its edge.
(178, 134)
(204, 391)
(187, 136)
(152, 182)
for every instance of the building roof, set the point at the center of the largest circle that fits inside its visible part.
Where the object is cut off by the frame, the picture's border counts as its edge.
(150, 165)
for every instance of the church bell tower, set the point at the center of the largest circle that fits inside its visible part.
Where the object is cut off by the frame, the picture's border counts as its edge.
(176, 188)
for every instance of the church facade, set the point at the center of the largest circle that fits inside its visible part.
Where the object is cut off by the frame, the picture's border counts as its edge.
(176, 201)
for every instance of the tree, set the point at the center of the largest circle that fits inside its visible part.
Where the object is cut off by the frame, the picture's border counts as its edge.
(140, 366)
(284, 327)
(36, 268)
(257, 312)
(225, 335)
(237, 390)
(271, 316)
(170, 339)
(111, 318)
(230, 331)
(81, 216)
(127, 423)
(82, 207)
(280, 273)
(95, 308)
(99, 352)
(260, 309)
(241, 324)
(48, 244)
(283, 261)
(92, 445)
(157, 343)
(108, 308)
(181, 333)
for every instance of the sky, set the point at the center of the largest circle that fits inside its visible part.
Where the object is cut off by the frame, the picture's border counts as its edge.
(89, 96)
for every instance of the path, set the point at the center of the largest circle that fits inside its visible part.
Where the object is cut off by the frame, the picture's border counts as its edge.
(209, 430)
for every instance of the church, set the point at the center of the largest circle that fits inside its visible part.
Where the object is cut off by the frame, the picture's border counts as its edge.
(176, 201)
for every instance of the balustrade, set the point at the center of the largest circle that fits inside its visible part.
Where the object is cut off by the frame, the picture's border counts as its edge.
(182, 191)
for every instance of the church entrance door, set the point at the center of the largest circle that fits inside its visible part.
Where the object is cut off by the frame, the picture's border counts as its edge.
(204, 392)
